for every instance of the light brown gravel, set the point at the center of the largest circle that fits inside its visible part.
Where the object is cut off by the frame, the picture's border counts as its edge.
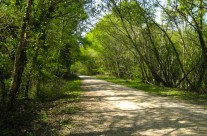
(115, 110)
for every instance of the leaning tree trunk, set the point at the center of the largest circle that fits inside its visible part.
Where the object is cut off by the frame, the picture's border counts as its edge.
(200, 29)
(20, 56)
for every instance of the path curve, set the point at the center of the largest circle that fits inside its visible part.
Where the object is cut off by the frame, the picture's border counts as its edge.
(108, 109)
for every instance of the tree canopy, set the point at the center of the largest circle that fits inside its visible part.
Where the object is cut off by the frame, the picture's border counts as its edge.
(168, 52)
(39, 42)
(42, 41)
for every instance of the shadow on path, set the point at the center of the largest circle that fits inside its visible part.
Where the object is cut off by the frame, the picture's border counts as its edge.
(114, 110)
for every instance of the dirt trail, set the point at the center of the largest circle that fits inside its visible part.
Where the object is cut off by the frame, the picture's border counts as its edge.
(115, 110)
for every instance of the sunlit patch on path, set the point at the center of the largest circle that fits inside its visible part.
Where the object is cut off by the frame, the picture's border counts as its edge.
(126, 106)
(114, 110)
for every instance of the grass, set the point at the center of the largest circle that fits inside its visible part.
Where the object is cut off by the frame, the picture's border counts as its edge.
(191, 97)
(44, 116)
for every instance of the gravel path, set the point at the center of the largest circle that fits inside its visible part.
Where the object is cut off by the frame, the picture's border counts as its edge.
(115, 110)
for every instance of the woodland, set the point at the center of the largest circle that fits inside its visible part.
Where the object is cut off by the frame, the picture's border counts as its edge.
(42, 45)
(131, 42)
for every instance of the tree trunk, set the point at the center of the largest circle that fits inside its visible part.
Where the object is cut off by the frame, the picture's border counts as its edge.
(20, 56)
(200, 30)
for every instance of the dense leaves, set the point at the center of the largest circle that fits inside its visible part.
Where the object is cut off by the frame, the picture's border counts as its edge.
(39, 43)
(167, 50)
(162, 43)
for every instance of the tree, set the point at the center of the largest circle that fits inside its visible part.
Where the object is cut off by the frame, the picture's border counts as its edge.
(20, 57)
(161, 50)
(40, 30)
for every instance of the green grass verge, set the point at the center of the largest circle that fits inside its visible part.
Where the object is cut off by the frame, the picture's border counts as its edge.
(46, 116)
(191, 97)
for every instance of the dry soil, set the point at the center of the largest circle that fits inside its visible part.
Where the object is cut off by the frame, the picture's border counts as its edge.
(108, 109)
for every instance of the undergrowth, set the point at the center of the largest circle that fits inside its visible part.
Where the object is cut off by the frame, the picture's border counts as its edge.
(34, 117)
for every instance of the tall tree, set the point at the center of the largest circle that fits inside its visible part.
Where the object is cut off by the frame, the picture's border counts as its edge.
(20, 57)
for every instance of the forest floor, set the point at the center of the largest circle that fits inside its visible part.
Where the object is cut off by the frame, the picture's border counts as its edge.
(107, 109)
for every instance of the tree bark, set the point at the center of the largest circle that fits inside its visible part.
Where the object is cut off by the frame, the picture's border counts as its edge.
(20, 56)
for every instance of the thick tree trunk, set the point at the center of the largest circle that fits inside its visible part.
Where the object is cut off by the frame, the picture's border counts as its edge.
(20, 57)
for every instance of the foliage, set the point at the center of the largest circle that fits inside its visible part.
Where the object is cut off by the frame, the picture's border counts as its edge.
(39, 44)
(34, 117)
(132, 43)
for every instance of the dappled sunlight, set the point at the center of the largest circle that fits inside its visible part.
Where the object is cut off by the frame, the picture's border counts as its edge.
(126, 105)
(168, 131)
(115, 85)
(115, 110)
(113, 98)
